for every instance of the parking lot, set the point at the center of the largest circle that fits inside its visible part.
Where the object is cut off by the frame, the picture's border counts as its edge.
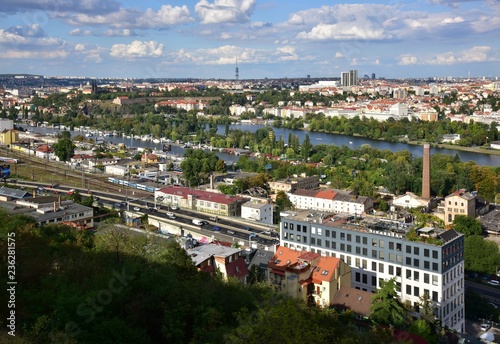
(474, 329)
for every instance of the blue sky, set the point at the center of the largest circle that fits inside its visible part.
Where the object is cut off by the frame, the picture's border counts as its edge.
(268, 38)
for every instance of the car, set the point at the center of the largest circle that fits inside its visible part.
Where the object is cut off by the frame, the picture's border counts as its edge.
(252, 235)
(173, 207)
(216, 228)
(151, 209)
(137, 208)
(493, 282)
(171, 215)
(485, 327)
(71, 191)
(230, 232)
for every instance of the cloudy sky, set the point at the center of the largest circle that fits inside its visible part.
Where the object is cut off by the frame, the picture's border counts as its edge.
(267, 38)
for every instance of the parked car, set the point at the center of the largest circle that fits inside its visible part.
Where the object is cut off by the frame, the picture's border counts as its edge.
(485, 327)
(137, 208)
(171, 215)
(230, 232)
(216, 228)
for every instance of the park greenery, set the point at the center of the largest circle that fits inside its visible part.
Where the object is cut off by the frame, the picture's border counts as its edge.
(115, 287)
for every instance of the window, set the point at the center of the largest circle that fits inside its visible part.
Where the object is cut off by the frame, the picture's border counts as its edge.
(374, 266)
(304, 229)
(374, 253)
(434, 280)
(434, 254)
(374, 281)
(408, 274)
(391, 257)
(304, 239)
(358, 262)
(427, 265)
(408, 289)
(391, 270)
(416, 291)
(416, 276)
(342, 247)
(365, 264)
(381, 243)
(313, 230)
(285, 225)
(435, 266)
(327, 244)
(298, 237)
(426, 252)
(408, 261)
(358, 277)
(426, 278)
(342, 236)
(313, 241)
(358, 239)
(416, 262)
(435, 296)
(319, 231)
(381, 267)
(358, 250)
(374, 242)
(365, 252)
(334, 234)
(398, 271)
(291, 236)
(348, 237)
(365, 279)
(291, 226)
(398, 247)
(416, 251)
(298, 228)
(408, 249)
(318, 242)
(365, 241)
(349, 260)
(327, 233)
(399, 258)
(381, 255)
(349, 248)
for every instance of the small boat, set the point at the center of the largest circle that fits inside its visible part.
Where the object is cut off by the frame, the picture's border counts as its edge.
(350, 142)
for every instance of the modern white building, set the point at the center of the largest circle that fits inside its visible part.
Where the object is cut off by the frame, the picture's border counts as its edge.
(427, 260)
(261, 212)
(409, 200)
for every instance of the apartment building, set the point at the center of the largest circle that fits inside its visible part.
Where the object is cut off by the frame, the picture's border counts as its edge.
(294, 183)
(427, 260)
(308, 276)
(460, 202)
(332, 200)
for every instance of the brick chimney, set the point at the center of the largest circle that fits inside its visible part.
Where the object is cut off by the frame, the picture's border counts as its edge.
(426, 173)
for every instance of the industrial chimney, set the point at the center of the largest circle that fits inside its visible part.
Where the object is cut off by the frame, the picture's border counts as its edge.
(426, 173)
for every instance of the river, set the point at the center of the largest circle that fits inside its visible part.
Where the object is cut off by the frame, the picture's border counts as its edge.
(315, 137)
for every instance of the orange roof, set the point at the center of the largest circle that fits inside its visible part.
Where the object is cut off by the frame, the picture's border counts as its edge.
(284, 256)
(325, 270)
(326, 194)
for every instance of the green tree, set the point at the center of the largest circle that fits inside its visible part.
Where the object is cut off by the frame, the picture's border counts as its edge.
(64, 149)
(467, 225)
(481, 255)
(386, 306)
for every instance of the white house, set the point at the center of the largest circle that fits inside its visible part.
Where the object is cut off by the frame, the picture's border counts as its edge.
(257, 211)
(409, 200)
(116, 170)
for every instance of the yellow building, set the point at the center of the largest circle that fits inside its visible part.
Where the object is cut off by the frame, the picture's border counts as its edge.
(9, 136)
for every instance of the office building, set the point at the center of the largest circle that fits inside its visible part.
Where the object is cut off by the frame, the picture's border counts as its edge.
(427, 260)
(349, 78)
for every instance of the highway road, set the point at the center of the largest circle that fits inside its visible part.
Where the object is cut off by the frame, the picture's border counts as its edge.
(221, 227)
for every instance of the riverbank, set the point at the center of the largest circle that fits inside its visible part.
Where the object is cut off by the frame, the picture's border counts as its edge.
(480, 150)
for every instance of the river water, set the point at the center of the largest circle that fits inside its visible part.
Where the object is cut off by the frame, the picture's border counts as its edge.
(315, 137)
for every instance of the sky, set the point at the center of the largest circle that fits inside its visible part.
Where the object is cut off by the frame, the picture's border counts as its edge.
(264, 38)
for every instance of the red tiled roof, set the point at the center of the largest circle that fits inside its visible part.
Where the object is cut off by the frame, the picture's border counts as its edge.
(201, 195)
(325, 270)
(326, 194)
(237, 268)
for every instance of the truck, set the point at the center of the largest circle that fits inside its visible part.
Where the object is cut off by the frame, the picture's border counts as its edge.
(199, 222)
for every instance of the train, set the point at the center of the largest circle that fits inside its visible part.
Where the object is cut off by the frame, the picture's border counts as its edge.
(132, 185)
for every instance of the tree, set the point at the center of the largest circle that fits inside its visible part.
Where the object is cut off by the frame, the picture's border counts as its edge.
(64, 149)
(386, 306)
(480, 255)
(467, 225)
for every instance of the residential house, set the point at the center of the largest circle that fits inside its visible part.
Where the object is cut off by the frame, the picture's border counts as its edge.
(459, 202)
(261, 212)
(212, 258)
(308, 276)
(9, 136)
(44, 151)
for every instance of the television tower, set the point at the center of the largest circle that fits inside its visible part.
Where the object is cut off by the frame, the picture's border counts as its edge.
(237, 71)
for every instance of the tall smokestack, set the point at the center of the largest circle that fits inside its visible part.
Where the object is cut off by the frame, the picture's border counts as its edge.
(426, 173)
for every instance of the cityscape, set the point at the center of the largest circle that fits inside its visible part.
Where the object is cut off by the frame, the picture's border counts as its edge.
(250, 172)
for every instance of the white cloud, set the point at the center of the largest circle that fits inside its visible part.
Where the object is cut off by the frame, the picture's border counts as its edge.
(345, 22)
(80, 47)
(165, 17)
(224, 11)
(86, 6)
(118, 33)
(228, 54)
(33, 30)
(339, 55)
(33, 54)
(475, 54)
(137, 49)
(9, 37)
(80, 32)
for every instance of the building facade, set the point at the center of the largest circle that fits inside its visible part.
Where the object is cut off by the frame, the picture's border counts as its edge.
(460, 202)
(294, 183)
(261, 212)
(428, 261)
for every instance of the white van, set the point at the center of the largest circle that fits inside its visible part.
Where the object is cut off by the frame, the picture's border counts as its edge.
(199, 222)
